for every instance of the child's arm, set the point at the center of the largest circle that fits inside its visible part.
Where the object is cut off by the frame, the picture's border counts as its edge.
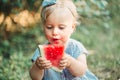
(77, 67)
(37, 69)
(36, 73)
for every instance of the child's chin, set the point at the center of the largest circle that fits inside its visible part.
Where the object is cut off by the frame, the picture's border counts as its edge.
(58, 43)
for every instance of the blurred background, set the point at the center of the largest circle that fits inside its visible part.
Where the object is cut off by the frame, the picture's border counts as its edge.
(21, 32)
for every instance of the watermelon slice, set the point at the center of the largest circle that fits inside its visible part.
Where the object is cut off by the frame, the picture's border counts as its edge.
(53, 53)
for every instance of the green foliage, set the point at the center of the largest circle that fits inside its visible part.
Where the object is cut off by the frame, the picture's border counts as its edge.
(16, 68)
(92, 8)
(15, 6)
(99, 32)
(22, 46)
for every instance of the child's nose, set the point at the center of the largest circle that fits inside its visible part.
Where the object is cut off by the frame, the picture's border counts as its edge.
(55, 31)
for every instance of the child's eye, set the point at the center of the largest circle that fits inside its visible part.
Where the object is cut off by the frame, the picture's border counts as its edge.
(61, 27)
(49, 27)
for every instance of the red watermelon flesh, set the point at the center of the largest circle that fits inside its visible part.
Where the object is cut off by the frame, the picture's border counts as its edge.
(53, 53)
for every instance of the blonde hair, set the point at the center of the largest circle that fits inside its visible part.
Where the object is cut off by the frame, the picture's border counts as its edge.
(47, 10)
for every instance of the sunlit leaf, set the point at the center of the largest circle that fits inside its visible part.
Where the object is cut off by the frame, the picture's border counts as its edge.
(5, 1)
(6, 43)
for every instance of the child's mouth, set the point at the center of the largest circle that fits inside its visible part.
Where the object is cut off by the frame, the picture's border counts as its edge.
(56, 41)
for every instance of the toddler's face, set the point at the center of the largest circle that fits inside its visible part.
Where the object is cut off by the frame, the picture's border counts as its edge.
(59, 26)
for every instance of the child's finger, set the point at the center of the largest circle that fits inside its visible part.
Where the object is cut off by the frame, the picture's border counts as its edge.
(48, 65)
(42, 63)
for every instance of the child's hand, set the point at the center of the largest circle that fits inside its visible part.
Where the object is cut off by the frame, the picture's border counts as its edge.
(42, 63)
(64, 62)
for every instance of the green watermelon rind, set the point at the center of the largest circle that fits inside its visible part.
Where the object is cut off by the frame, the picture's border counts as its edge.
(41, 48)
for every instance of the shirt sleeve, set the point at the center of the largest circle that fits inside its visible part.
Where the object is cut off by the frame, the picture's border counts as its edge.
(75, 48)
(80, 49)
(35, 55)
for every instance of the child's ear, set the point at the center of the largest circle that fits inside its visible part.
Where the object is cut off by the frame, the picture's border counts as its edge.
(74, 27)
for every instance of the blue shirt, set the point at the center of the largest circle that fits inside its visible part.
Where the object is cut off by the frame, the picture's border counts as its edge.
(74, 49)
